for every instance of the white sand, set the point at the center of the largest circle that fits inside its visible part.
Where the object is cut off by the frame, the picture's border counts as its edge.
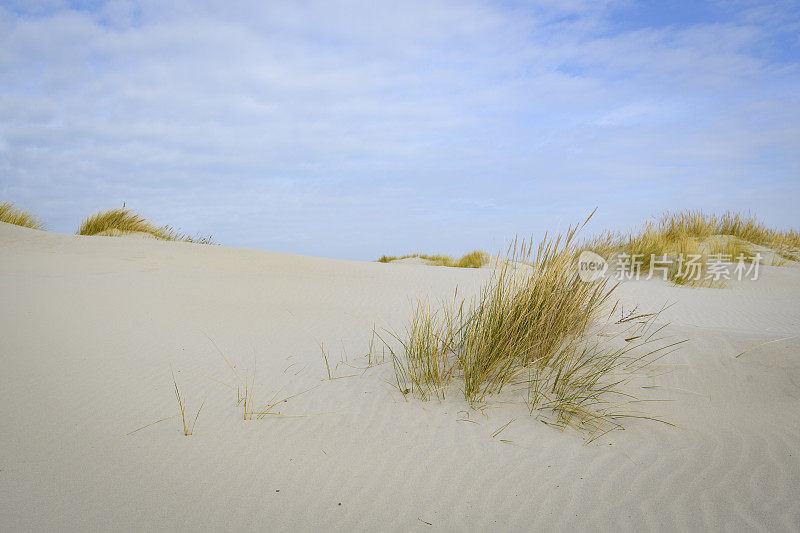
(90, 325)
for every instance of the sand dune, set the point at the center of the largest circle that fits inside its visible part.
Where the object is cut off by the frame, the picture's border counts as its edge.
(90, 325)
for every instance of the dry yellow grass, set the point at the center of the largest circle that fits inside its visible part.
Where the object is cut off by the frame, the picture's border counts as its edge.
(535, 325)
(188, 424)
(690, 265)
(121, 221)
(473, 259)
(746, 228)
(687, 240)
(18, 217)
(731, 248)
(648, 244)
(692, 238)
(604, 244)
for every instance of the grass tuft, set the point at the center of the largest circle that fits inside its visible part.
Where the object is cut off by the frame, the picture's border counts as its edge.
(121, 221)
(534, 326)
(731, 248)
(474, 259)
(701, 237)
(648, 244)
(745, 228)
(18, 217)
(691, 264)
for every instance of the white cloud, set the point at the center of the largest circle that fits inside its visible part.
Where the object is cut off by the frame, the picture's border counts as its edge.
(325, 118)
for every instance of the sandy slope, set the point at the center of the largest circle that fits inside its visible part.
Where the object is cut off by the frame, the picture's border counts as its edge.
(90, 325)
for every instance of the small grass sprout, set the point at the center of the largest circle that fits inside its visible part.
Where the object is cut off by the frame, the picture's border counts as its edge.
(245, 390)
(188, 424)
(321, 347)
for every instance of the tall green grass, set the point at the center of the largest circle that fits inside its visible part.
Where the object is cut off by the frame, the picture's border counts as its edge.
(121, 221)
(535, 326)
(18, 217)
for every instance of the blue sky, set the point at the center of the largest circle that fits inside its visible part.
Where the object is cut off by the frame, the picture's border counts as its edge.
(352, 129)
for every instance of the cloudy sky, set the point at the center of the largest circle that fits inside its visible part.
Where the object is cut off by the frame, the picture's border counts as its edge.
(349, 129)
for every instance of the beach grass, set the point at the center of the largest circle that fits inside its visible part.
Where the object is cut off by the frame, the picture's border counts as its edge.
(473, 259)
(122, 221)
(692, 239)
(666, 238)
(245, 390)
(19, 217)
(646, 245)
(746, 231)
(691, 262)
(731, 249)
(536, 326)
(188, 424)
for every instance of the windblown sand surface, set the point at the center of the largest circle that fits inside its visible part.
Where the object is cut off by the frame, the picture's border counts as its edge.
(90, 325)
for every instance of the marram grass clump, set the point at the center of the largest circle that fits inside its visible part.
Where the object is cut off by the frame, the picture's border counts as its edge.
(473, 259)
(535, 328)
(121, 221)
(745, 230)
(18, 217)
(731, 248)
(692, 240)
